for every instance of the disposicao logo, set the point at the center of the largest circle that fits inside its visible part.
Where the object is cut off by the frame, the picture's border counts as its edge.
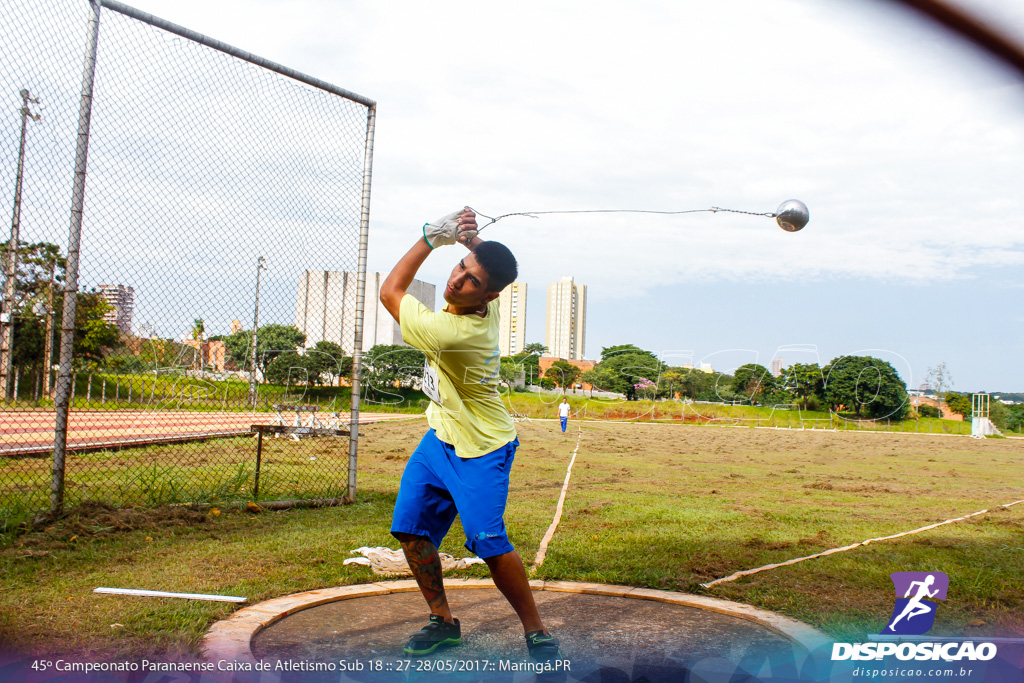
(914, 615)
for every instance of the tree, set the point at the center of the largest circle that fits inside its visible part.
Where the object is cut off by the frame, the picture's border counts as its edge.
(563, 374)
(40, 266)
(198, 328)
(595, 378)
(698, 385)
(164, 354)
(535, 348)
(292, 369)
(272, 341)
(239, 348)
(392, 365)
(39, 272)
(940, 380)
(645, 388)
(624, 365)
(530, 365)
(959, 404)
(999, 414)
(804, 380)
(331, 360)
(671, 381)
(1015, 418)
(94, 337)
(865, 383)
(753, 382)
(510, 373)
(29, 340)
(611, 351)
(125, 364)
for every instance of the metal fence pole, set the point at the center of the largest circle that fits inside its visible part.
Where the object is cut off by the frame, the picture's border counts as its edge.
(48, 343)
(10, 281)
(260, 267)
(67, 335)
(357, 352)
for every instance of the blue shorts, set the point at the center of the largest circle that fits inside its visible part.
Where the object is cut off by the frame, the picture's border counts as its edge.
(437, 485)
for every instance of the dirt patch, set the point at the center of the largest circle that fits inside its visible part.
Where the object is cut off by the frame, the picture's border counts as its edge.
(859, 488)
(97, 519)
(761, 544)
(821, 538)
(709, 566)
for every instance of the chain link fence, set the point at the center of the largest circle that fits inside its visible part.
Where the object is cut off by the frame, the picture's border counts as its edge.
(217, 186)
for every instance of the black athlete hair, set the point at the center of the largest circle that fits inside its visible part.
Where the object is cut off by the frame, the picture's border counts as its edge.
(499, 264)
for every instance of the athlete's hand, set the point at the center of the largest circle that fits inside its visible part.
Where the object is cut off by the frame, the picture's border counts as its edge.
(467, 227)
(458, 226)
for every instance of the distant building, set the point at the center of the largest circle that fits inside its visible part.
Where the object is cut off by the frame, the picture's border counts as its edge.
(209, 354)
(512, 316)
(776, 367)
(565, 328)
(943, 409)
(703, 367)
(122, 300)
(326, 304)
(545, 362)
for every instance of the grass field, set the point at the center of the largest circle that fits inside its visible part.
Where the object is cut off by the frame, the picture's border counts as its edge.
(538, 405)
(667, 506)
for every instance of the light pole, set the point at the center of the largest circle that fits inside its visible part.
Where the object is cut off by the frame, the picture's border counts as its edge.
(260, 266)
(46, 309)
(530, 378)
(7, 315)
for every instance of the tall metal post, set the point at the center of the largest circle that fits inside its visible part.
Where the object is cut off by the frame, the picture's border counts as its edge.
(11, 273)
(260, 267)
(65, 375)
(357, 352)
(48, 344)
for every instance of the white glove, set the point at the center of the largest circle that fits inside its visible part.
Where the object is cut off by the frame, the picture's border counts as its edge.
(446, 230)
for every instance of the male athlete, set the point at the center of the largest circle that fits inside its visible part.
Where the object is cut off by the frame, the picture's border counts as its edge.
(563, 413)
(462, 464)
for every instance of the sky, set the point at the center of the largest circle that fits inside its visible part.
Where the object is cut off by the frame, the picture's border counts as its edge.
(906, 144)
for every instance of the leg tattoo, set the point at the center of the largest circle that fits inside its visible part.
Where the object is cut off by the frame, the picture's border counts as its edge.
(425, 564)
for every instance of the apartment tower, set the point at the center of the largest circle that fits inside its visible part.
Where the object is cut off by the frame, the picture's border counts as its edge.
(566, 321)
(122, 302)
(512, 314)
(326, 304)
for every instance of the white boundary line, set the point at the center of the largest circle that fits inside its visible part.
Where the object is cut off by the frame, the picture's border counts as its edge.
(163, 594)
(543, 549)
(748, 572)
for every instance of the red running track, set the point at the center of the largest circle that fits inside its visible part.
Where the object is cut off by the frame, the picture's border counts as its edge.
(32, 432)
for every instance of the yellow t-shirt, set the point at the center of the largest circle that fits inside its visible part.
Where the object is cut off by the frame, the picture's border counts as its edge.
(463, 349)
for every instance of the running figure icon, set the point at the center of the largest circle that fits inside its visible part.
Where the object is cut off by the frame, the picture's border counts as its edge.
(915, 607)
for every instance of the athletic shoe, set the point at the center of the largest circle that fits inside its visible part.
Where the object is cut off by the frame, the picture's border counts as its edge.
(438, 633)
(543, 647)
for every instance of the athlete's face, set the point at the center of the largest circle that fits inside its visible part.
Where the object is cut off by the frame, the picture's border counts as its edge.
(467, 285)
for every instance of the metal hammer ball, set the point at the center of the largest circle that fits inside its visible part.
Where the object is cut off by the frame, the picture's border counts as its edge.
(792, 215)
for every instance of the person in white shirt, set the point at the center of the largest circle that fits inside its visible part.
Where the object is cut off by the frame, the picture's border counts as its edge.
(563, 412)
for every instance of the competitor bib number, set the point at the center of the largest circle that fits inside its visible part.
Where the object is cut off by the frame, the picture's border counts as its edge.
(430, 384)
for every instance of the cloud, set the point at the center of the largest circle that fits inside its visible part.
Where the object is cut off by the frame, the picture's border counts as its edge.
(905, 144)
